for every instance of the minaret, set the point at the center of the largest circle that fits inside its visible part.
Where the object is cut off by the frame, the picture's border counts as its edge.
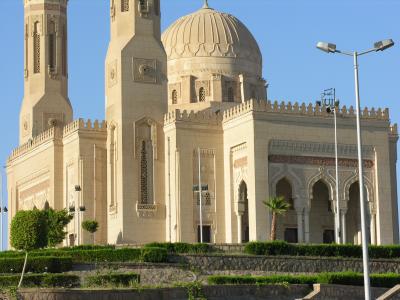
(136, 101)
(45, 102)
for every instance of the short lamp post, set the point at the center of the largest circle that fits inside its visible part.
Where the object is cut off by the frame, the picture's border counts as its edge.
(378, 46)
(78, 210)
(3, 210)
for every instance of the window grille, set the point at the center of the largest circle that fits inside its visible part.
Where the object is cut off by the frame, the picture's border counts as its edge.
(124, 5)
(202, 94)
(143, 174)
(143, 5)
(36, 49)
(230, 95)
(64, 51)
(174, 97)
(52, 46)
(157, 7)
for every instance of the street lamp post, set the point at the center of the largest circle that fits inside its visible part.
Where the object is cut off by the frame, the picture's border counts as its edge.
(331, 105)
(379, 46)
(200, 195)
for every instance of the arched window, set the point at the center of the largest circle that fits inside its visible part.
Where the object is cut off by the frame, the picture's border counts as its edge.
(284, 189)
(64, 51)
(26, 47)
(124, 5)
(143, 174)
(143, 5)
(230, 95)
(202, 94)
(52, 45)
(36, 49)
(174, 97)
(157, 7)
(253, 94)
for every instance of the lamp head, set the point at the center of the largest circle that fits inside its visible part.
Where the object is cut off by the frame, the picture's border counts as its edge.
(326, 47)
(383, 45)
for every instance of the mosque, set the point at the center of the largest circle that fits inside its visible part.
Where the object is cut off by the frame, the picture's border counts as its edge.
(191, 143)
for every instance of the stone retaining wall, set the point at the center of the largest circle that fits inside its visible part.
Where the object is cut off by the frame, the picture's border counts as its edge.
(278, 292)
(340, 292)
(209, 263)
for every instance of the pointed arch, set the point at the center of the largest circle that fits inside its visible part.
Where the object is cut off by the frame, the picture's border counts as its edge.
(293, 180)
(325, 178)
(367, 184)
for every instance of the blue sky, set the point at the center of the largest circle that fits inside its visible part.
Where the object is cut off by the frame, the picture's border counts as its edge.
(286, 30)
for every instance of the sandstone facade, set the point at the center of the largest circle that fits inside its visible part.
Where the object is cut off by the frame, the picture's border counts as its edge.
(196, 91)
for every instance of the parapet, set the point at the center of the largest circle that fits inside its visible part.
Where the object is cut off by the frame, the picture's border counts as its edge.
(202, 117)
(81, 124)
(394, 131)
(301, 109)
(58, 133)
(45, 136)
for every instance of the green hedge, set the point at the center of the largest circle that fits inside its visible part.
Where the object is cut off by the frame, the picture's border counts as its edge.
(88, 247)
(48, 264)
(180, 248)
(154, 255)
(114, 280)
(146, 254)
(106, 255)
(344, 278)
(42, 280)
(327, 250)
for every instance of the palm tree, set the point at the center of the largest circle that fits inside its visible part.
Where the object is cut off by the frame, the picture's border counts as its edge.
(277, 206)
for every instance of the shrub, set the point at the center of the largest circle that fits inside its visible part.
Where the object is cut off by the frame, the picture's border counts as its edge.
(154, 255)
(183, 248)
(106, 255)
(327, 250)
(90, 225)
(39, 264)
(56, 220)
(114, 280)
(61, 280)
(28, 230)
(343, 278)
(292, 279)
(88, 247)
(41, 280)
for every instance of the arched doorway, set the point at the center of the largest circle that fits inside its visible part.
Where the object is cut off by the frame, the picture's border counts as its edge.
(287, 223)
(353, 215)
(321, 215)
(245, 212)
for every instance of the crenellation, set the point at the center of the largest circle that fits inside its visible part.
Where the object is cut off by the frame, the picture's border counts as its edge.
(206, 117)
(33, 143)
(394, 130)
(303, 109)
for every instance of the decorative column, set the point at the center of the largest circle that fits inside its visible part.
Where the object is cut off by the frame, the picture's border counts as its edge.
(343, 213)
(300, 226)
(307, 224)
(239, 228)
(373, 223)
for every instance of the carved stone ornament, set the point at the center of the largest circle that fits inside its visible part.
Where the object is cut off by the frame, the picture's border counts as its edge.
(319, 161)
(112, 73)
(144, 70)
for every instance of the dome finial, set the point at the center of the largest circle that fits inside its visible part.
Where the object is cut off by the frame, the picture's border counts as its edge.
(206, 4)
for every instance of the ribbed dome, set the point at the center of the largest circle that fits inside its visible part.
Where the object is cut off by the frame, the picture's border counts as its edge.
(209, 33)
